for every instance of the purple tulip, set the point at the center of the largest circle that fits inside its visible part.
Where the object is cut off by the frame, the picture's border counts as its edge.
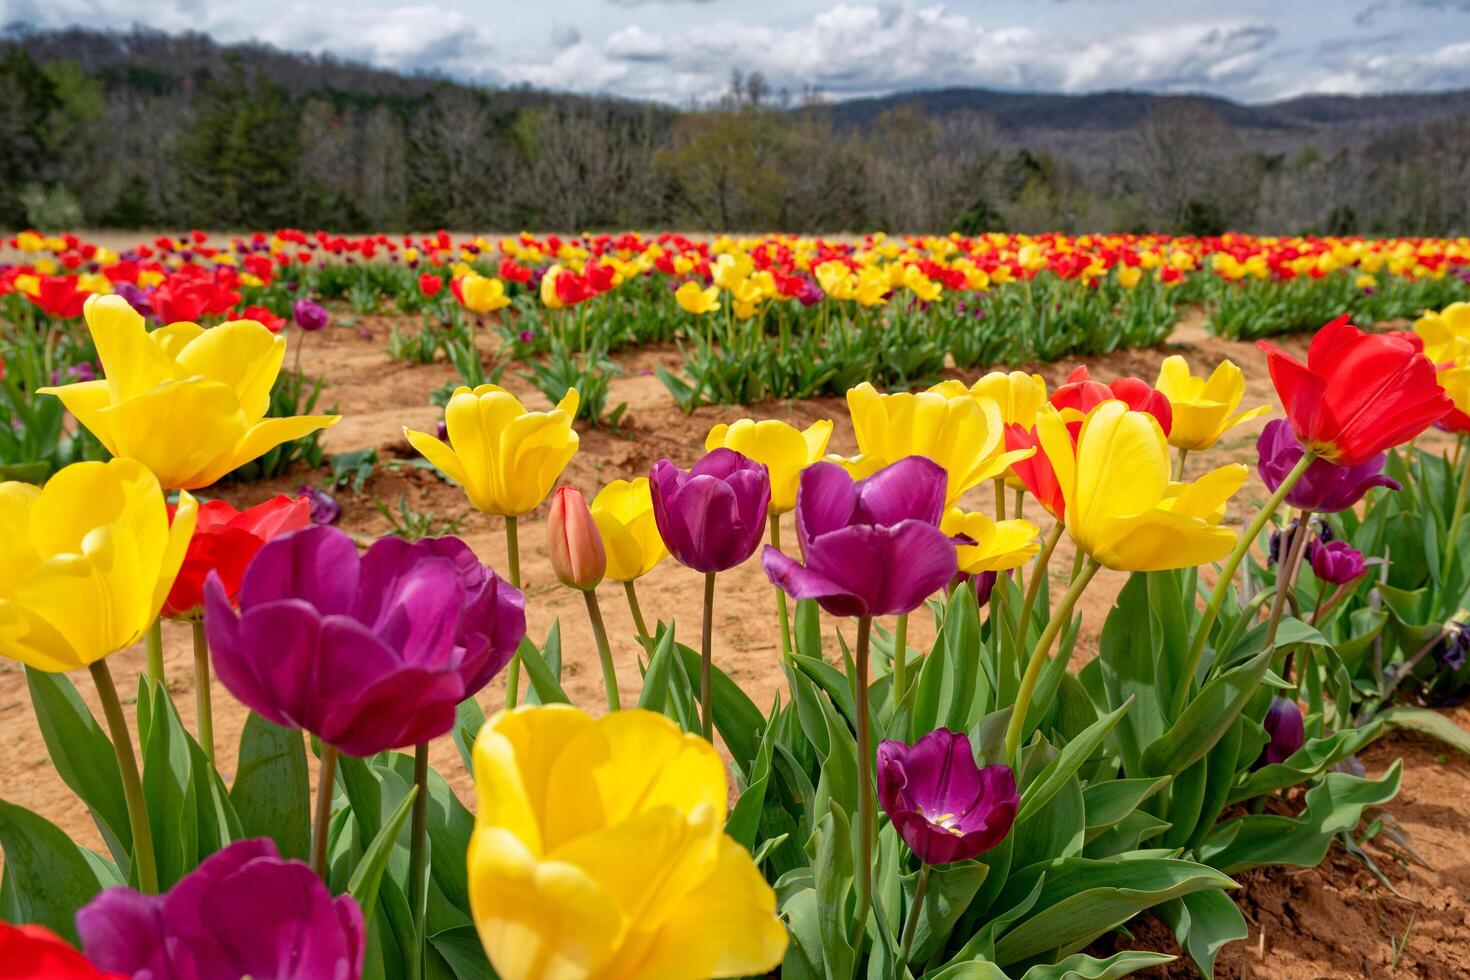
(984, 586)
(712, 517)
(1325, 487)
(872, 547)
(324, 507)
(1283, 723)
(369, 652)
(944, 806)
(1450, 651)
(1336, 561)
(310, 315)
(136, 296)
(243, 912)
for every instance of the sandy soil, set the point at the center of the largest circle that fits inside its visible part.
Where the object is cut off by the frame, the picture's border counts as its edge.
(1334, 921)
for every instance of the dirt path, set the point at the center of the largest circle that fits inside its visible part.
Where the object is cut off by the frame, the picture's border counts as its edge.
(1330, 922)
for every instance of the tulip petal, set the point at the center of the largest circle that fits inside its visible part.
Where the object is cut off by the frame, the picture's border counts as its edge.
(86, 400)
(131, 363)
(914, 488)
(243, 355)
(443, 458)
(260, 439)
(514, 756)
(316, 564)
(17, 554)
(800, 582)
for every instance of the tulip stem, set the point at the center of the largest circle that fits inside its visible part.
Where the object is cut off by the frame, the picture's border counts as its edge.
(1059, 617)
(1000, 498)
(513, 557)
(418, 864)
(1038, 574)
(203, 707)
(1452, 541)
(326, 778)
(1179, 465)
(154, 643)
(866, 800)
(1227, 575)
(604, 650)
(1286, 569)
(638, 624)
(127, 765)
(706, 660)
(1020, 503)
(900, 657)
(911, 926)
(782, 613)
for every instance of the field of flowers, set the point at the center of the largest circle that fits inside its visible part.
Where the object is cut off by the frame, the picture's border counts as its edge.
(940, 660)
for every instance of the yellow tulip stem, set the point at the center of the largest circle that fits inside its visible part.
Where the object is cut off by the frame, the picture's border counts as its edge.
(1020, 505)
(706, 660)
(1179, 466)
(127, 765)
(782, 612)
(1000, 498)
(1061, 615)
(900, 657)
(153, 641)
(1227, 575)
(326, 778)
(1454, 536)
(513, 558)
(203, 707)
(866, 799)
(604, 650)
(418, 855)
(638, 624)
(1038, 575)
(1286, 571)
(911, 925)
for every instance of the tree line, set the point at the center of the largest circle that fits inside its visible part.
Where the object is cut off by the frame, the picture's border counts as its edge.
(146, 130)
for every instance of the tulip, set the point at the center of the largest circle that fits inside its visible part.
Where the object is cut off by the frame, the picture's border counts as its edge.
(1035, 471)
(368, 652)
(1358, 394)
(1019, 395)
(186, 402)
(985, 545)
(1203, 409)
(964, 435)
(480, 294)
(578, 558)
(944, 807)
(1325, 487)
(310, 315)
(261, 315)
(37, 953)
(694, 298)
(623, 511)
(505, 457)
(1336, 562)
(1445, 335)
(430, 284)
(1287, 733)
(1121, 508)
(599, 852)
(782, 448)
(1080, 395)
(324, 507)
(224, 540)
(243, 912)
(1450, 650)
(710, 518)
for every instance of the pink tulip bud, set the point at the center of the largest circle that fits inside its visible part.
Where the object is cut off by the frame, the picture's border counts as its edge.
(577, 555)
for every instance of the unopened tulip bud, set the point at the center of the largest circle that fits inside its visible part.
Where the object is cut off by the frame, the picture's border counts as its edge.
(1283, 723)
(577, 555)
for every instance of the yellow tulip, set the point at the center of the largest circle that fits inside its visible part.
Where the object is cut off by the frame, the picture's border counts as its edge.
(1456, 383)
(784, 449)
(1018, 394)
(599, 853)
(1446, 334)
(1121, 508)
(1203, 409)
(964, 435)
(999, 545)
(482, 294)
(926, 289)
(1129, 275)
(624, 515)
(504, 456)
(186, 402)
(549, 299)
(89, 559)
(695, 299)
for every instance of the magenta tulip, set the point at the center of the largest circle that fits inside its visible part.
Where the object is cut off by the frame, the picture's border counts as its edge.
(1284, 725)
(944, 806)
(1326, 487)
(1336, 562)
(712, 517)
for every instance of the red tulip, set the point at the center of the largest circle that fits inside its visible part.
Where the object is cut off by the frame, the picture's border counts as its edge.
(37, 953)
(1358, 394)
(60, 297)
(224, 541)
(263, 316)
(1080, 392)
(1036, 470)
(430, 284)
(572, 538)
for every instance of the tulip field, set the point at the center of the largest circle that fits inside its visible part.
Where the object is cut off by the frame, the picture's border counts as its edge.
(604, 607)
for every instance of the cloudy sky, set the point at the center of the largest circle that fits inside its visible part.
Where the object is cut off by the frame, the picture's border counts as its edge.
(680, 50)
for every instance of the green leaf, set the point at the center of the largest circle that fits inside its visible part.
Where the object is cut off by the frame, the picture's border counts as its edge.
(48, 876)
(1126, 663)
(1333, 805)
(1080, 966)
(272, 788)
(1203, 923)
(1067, 762)
(367, 877)
(463, 952)
(830, 850)
(1110, 801)
(1426, 722)
(736, 717)
(655, 694)
(1307, 762)
(469, 718)
(83, 757)
(951, 887)
(543, 678)
(1207, 717)
(744, 819)
(168, 785)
